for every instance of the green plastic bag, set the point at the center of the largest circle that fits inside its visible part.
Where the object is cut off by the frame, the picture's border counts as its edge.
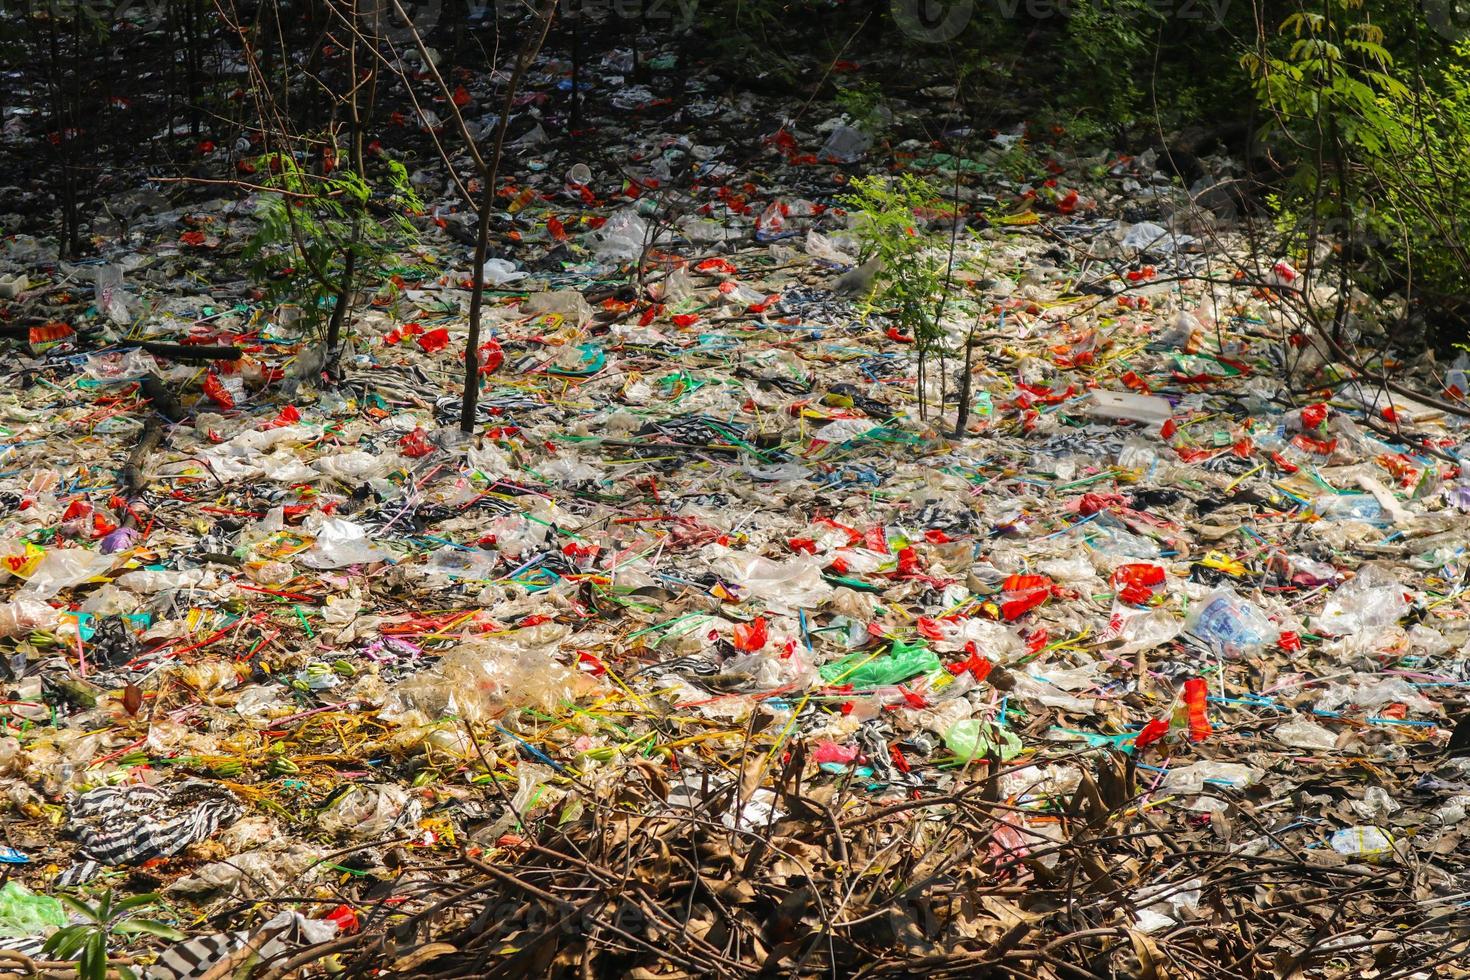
(898, 664)
(24, 913)
(972, 738)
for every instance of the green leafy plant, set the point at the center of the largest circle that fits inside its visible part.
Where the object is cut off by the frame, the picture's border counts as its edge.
(909, 280)
(863, 104)
(88, 940)
(319, 230)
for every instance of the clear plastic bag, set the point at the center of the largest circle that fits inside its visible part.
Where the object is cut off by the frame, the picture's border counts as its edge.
(23, 614)
(62, 568)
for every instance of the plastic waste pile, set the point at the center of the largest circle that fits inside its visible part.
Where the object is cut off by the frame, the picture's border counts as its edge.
(323, 639)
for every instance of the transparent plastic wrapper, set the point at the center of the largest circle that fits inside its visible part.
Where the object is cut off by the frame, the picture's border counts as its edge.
(1370, 692)
(1167, 905)
(784, 586)
(353, 467)
(111, 295)
(1196, 777)
(1146, 235)
(1231, 625)
(1376, 804)
(622, 238)
(25, 614)
(1372, 843)
(149, 581)
(481, 681)
(1350, 507)
(371, 810)
(62, 568)
(1369, 602)
(120, 366)
(340, 543)
(845, 145)
(819, 246)
(1299, 733)
(502, 272)
(23, 913)
(1138, 630)
(469, 563)
(563, 302)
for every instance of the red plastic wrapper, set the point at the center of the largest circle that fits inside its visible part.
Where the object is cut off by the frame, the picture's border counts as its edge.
(217, 392)
(434, 341)
(1196, 691)
(416, 444)
(1137, 584)
(491, 356)
(751, 636)
(1022, 593)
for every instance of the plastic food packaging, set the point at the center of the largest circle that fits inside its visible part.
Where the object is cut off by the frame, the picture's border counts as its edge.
(1230, 625)
(1373, 843)
(1149, 409)
(62, 568)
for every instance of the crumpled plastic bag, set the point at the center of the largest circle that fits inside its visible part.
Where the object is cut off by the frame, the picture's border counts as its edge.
(482, 680)
(24, 913)
(563, 302)
(340, 543)
(845, 144)
(62, 568)
(1371, 601)
(371, 810)
(622, 238)
(784, 586)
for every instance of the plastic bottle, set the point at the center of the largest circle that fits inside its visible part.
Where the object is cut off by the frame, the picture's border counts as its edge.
(1230, 625)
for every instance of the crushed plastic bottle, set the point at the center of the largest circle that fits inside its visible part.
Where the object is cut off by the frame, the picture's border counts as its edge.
(1230, 625)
